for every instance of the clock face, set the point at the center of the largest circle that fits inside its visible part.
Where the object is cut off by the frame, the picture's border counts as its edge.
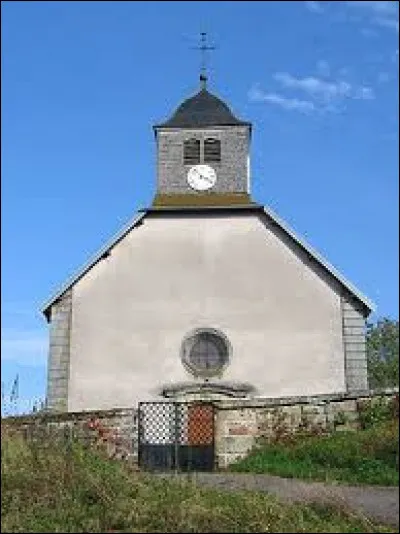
(201, 177)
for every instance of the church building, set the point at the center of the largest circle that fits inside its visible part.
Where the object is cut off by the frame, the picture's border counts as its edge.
(206, 293)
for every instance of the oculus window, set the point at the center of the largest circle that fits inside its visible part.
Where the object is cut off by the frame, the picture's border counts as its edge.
(206, 352)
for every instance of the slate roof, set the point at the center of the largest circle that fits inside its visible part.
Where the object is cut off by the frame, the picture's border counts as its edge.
(367, 304)
(200, 111)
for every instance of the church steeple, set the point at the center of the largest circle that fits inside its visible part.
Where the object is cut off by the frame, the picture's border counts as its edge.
(203, 151)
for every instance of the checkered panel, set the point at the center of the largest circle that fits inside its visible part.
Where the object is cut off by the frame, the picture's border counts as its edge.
(157, 423)
(176, 423)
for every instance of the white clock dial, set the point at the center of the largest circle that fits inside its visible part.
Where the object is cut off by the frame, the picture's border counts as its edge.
(201, 177)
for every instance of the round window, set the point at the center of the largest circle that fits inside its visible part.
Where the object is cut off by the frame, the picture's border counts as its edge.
(206, 352)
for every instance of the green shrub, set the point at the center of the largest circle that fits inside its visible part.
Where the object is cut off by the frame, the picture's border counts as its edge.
(340, 419)
(383, 353)
(378, 410)
(363, 457)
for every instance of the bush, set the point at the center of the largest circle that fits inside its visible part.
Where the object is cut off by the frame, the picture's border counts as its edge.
(363, 457)
(378, 410)
(383, 353)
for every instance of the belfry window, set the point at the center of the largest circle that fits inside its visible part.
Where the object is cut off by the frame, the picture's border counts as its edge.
(191, 152)
(212, 150)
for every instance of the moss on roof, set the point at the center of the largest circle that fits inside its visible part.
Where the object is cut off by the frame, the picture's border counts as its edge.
(202, 199)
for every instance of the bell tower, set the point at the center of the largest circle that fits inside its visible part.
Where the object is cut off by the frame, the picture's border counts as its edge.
(203, 154)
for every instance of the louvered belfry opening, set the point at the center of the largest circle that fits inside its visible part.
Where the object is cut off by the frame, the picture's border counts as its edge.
(212, 150)
(191, 152)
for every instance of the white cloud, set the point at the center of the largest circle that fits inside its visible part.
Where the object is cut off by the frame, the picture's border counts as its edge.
(258, 95)
(315, 7)
(322, 90)
(315, 87)
(364, 93)
(379, 6)
(381, 13)
(323, 96)
(388, 23)
(25, 347)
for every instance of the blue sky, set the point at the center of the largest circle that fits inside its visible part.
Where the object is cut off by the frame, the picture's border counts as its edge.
(83, 82)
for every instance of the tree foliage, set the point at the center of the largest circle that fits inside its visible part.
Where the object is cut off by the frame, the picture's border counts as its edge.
(383, 353)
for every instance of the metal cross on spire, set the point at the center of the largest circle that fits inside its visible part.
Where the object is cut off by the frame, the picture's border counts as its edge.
(204, 48)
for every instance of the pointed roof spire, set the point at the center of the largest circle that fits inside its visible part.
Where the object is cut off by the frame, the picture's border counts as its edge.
(203, 109)
(200, 111)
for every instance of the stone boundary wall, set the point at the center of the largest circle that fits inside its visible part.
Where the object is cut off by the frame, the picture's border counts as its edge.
(240, 424)
(117, 429)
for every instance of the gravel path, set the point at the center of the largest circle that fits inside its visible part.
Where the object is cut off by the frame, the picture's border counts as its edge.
(379, 504)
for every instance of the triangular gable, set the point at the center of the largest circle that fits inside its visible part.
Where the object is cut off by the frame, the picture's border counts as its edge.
(368, 306)
(45, 309)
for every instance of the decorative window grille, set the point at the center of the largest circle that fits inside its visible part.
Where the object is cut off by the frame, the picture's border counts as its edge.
(191, 152)
(205, 353)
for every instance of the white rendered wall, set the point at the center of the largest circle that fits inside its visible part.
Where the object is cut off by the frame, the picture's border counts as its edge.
(175, 273)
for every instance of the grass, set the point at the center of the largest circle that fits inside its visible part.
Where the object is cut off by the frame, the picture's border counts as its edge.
(359, 457)
(50, 486)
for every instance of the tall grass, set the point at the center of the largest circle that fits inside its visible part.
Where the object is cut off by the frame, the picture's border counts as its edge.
(367, 456)
(56, 486)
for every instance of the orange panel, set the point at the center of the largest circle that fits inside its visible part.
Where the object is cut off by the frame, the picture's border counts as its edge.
(200, 424)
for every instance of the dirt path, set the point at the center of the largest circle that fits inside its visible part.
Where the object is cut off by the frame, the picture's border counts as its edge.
(379, 504)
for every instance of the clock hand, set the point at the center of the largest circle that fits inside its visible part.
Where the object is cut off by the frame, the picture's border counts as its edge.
(206, 178)
(200, 175)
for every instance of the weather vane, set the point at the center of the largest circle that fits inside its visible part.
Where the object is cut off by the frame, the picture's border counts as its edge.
(204, 48)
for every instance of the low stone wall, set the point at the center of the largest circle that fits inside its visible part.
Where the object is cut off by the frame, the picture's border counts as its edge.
(242, 424)
(117, 429)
